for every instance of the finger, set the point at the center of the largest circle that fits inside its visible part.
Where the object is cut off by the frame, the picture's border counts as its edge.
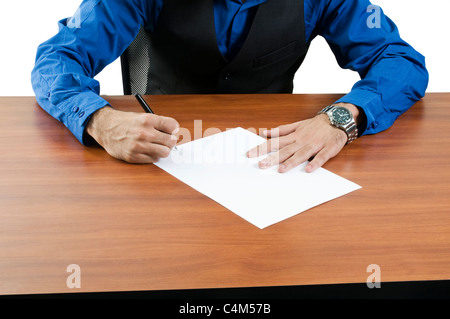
(165, 124)
(134, 157)
(281, 130)
(279, 157)
(164, 139)
(153, 136)
(264, 148)
(142, 152)
(300, 156)
(157, 151)
(329, 151)
(321, 158)
(271, 145)
(140, 159)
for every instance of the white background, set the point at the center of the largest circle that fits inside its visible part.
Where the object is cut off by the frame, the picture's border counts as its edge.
(27, 23)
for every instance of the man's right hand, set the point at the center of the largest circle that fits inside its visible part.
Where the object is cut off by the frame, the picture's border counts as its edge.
(133, 137)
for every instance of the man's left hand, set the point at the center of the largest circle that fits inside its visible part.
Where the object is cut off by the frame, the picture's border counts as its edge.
(293, 144)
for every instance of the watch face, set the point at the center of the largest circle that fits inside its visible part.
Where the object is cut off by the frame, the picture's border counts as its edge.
(341, 115)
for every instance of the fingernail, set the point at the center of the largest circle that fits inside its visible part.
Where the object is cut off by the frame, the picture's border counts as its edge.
(265, 132)
(309, 168)
(264, 164)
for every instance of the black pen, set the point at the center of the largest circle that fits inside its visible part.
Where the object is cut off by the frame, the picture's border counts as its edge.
(146, 107)
(144, 104)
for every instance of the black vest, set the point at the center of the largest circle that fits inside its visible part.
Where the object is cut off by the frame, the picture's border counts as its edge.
(185, 58)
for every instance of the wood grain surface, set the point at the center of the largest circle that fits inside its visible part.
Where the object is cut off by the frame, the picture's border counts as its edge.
(135, 227)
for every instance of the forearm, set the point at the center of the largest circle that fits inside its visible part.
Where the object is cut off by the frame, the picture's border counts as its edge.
(393, 74)
(73, 111)
(389, 89)
(66, 64)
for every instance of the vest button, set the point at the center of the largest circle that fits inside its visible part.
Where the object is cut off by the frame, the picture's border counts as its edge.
(226, 76)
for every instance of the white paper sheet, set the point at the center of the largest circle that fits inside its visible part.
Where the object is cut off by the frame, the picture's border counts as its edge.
(218, 167)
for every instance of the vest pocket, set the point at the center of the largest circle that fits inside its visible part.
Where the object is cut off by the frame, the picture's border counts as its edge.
(275, 56)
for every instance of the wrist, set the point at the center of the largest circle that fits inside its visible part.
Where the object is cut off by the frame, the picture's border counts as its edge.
(343, 116)
(358, 115)
(98, 121)
(353, 109)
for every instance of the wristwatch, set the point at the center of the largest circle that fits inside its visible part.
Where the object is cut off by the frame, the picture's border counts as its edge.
(342, 118)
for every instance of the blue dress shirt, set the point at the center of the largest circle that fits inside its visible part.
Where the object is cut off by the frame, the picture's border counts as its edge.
(393, 74)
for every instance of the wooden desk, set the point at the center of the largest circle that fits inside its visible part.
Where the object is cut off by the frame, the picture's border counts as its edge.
(136, 228)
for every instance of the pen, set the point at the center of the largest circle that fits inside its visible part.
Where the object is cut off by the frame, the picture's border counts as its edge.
(144, 104)
(146, 107)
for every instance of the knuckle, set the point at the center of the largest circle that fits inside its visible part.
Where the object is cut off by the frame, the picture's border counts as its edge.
(264, 149)
(272, 145)
(134, 149)
(128, 157)
(141, 134)
(146, 120)
(141, 119)
(312, 148)
(160, 121)
(151, 135)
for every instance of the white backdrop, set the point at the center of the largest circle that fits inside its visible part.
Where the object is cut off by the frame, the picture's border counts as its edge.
(27, 23)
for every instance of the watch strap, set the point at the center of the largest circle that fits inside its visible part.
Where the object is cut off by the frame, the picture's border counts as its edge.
(351, 129)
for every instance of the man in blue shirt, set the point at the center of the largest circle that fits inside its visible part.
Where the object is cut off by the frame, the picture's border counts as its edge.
(258, 46)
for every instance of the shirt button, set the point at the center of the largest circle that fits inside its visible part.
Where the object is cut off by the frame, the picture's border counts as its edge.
(81, 114)
(226, 76)
(75, 109)
(373, 125)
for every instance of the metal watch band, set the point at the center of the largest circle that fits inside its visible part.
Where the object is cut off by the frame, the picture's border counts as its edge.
(351, 129)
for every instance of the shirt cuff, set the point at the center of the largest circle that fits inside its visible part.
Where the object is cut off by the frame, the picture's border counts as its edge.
(78, 110)
(370, 102)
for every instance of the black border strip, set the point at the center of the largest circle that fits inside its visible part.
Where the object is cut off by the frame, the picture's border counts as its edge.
(439, 289)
